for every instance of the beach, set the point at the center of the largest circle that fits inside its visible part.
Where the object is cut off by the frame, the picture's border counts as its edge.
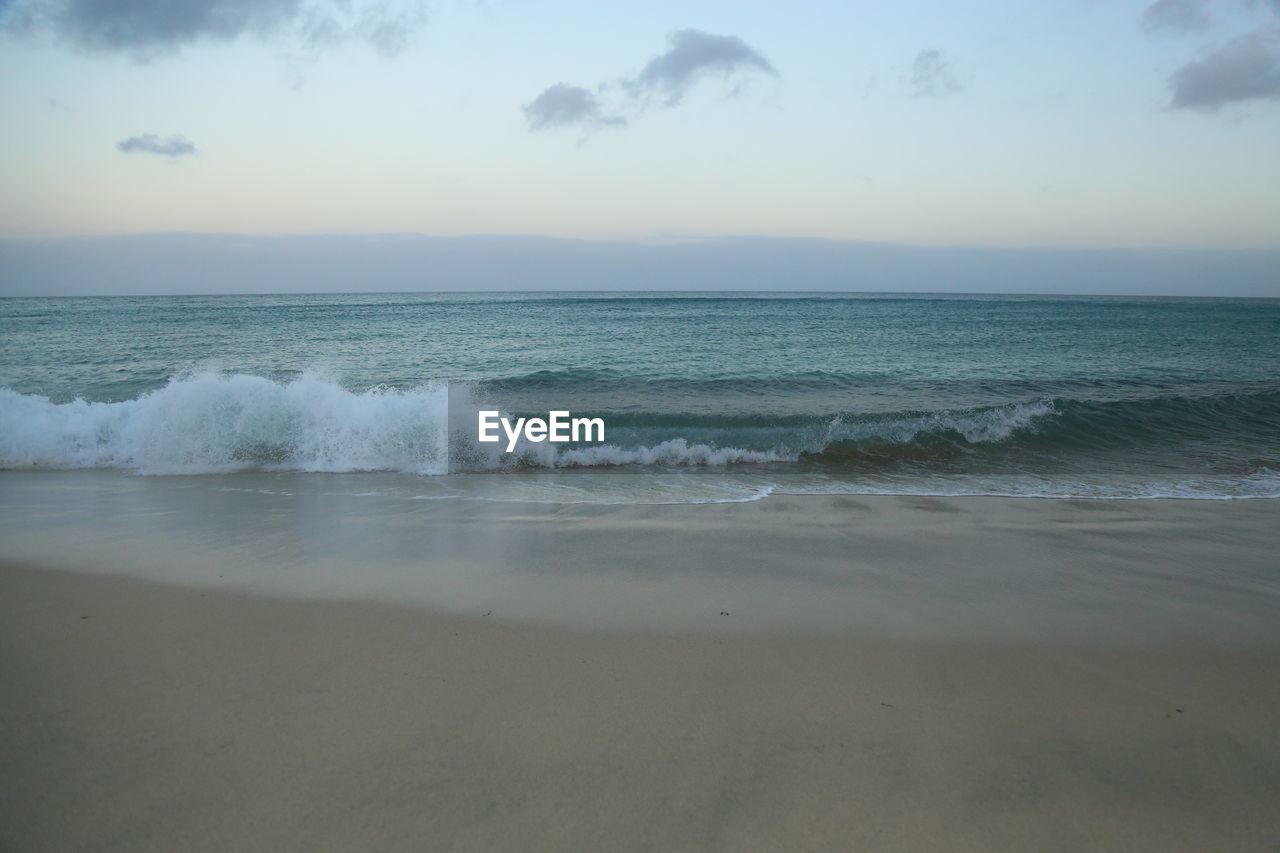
(638, 427)
(202, 713)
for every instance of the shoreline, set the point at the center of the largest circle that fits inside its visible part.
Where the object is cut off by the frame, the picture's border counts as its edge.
(914, 567)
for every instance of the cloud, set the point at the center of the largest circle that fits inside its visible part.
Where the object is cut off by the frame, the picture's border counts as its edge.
(931, 75)
(1247, 68)
(149, 143)
(563, 105)
(666, 79)
(388, 28)
(145, 29)
(692, 56)
(1178, 16)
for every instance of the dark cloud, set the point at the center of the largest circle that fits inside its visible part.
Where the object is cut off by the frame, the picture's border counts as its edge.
(563, 105)
(931, 75)
(694, 55)
(150, 143)
(1247, 68)
(148, 28)
(666, 79)
(386, 27)
(1178, 16)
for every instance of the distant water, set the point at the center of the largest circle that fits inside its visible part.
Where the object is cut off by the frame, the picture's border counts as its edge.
(705, 397)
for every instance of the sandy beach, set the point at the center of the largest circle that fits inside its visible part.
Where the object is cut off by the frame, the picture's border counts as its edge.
(575, 427)
(144, 716)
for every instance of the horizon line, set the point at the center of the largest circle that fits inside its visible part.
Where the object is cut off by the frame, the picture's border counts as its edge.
(654, 240)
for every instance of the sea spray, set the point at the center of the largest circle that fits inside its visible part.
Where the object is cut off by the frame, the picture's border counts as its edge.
(210, 422)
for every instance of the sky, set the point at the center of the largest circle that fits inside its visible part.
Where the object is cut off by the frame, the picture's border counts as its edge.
(1057, 125)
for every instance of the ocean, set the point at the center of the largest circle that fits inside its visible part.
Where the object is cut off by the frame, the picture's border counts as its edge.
(704, 397)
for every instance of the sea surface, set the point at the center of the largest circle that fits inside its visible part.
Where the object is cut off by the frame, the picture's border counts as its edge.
(705, 397)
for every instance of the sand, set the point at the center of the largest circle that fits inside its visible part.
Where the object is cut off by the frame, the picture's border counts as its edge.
(143, 716)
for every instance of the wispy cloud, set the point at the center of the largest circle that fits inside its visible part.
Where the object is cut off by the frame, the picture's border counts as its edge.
(150, 143)
(693, 56)
(563, 105)
(664, 81)
(1177, 16)
(145, 29)
(932, 75)
(1245, 69)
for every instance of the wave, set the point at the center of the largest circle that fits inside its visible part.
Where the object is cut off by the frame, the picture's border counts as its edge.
(209, 422)
(204, 422)
(673, 453)
(659, 379)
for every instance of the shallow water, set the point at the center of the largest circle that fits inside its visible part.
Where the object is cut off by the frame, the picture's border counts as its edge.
(961, 569)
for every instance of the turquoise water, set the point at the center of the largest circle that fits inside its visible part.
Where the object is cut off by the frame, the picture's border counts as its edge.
(704, 397)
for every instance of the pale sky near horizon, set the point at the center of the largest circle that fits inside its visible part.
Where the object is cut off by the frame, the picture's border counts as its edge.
(1061, 123)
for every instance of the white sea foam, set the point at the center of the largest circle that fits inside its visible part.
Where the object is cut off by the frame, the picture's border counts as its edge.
(211, 422)
(986, 426)
(674, 452)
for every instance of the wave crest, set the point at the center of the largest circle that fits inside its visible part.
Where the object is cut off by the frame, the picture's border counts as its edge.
(204, 422)
(209, 422)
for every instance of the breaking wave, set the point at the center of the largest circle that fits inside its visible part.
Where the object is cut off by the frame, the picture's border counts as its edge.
(209, 422)
(206, 422)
